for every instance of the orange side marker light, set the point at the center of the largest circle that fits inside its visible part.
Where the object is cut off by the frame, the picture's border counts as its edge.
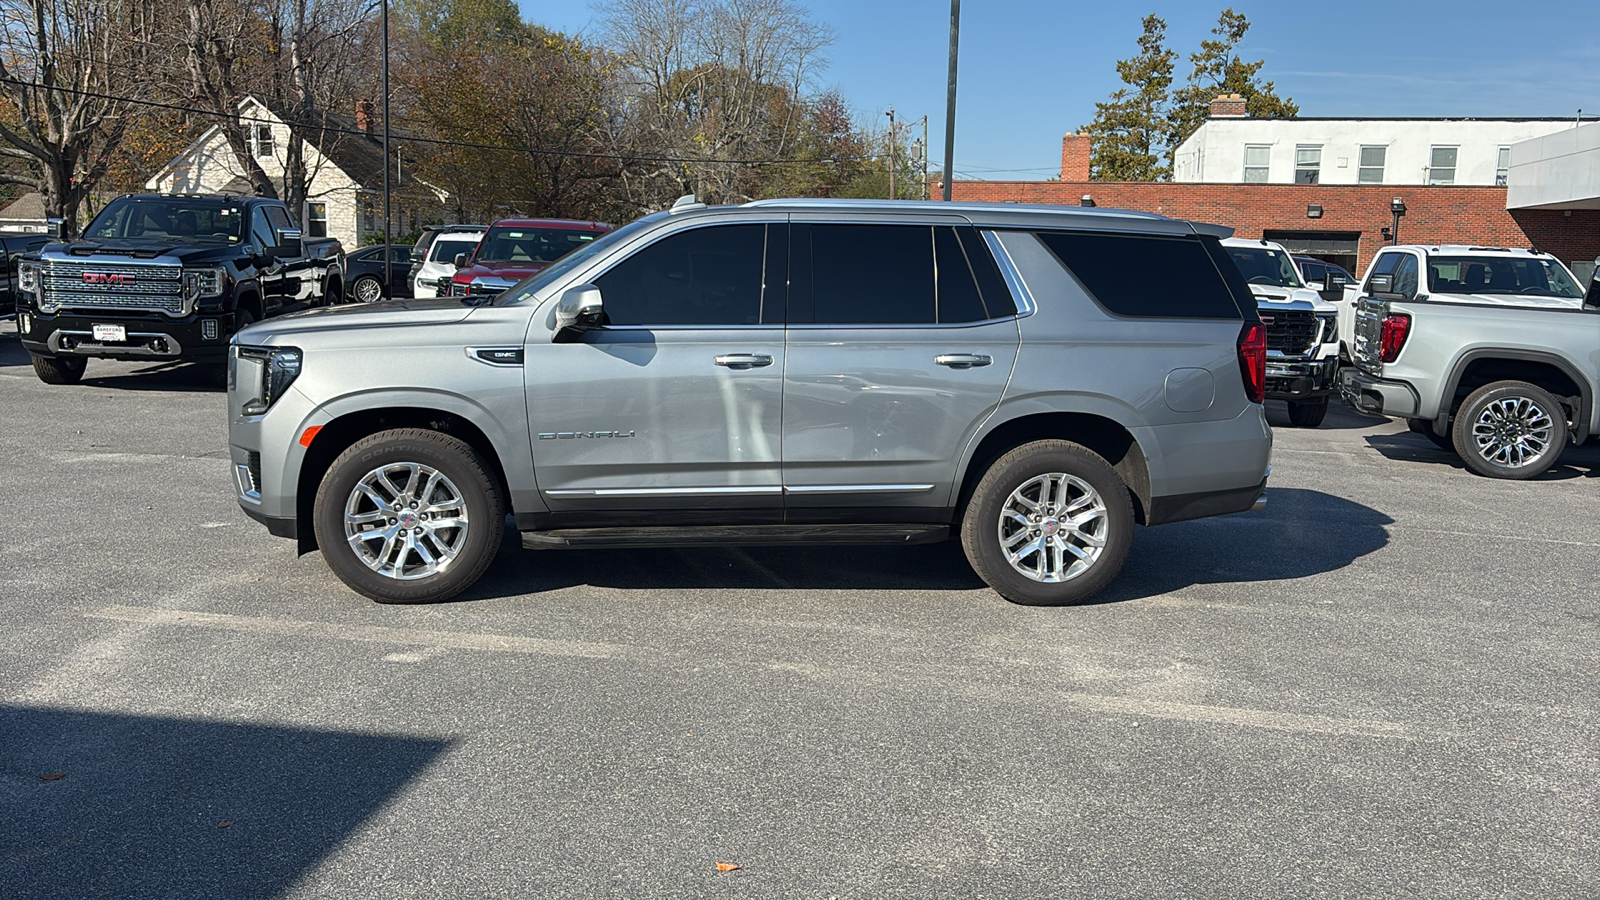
(310, 433)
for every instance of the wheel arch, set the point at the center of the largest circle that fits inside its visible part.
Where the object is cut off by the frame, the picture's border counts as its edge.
(1105, 436)
(337, 435)
(1548, 371)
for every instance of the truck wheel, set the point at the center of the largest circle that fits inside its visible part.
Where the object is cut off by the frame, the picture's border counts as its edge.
(409, 516)
(1510, 429)
(1424, 427)
(1049, 524)
(367, 289)
(1308, 413)
(59, 369)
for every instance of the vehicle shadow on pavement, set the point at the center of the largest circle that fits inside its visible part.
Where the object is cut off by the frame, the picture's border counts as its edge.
(111, 805)
(1340, 417)
(186, 377)
(11, 352)
(1576, 462)
(1300, 533)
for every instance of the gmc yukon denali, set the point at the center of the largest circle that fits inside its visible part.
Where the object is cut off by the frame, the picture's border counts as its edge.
(168, 278)
(786, 371)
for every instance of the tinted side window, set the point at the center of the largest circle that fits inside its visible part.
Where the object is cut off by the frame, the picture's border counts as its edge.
(706, 276)
(278, 217)
(259, 231)
(959, 300)
(997, 297)
(870, 275)
(1136, 275)
(1384, 266)
(1405, 276)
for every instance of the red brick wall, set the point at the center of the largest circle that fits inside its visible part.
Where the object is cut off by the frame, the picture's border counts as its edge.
(1075, 157)
(1434, 215)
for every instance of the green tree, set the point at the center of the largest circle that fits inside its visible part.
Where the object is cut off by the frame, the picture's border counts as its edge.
(1219, 70)
(1130, 130)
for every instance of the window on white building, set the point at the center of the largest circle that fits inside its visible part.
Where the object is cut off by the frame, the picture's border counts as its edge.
(1502, 166)
(1372, 161)
(1442, 165)
(316, 219)
(1255, 163)
(261, 140)
(1307, 164)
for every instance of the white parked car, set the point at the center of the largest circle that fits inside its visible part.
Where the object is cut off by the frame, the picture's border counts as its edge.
(441, 260)
(1449, 273)
(1302, 338)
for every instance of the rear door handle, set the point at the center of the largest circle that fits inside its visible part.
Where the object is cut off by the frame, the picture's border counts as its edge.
(744, 360)
(962, 360)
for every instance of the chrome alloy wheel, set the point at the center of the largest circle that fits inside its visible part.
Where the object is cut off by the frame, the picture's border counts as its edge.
(369, 290)
(1053, 527)
(406, 521)
(1512, 432)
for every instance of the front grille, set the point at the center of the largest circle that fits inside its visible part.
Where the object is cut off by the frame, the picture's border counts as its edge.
(149, 287)
(1292, 332)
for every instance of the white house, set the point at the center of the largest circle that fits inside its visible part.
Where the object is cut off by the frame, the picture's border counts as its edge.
(1231, 147)
(344, 162)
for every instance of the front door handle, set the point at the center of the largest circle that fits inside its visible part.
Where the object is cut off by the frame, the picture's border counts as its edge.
(962, 360)
(744, 360)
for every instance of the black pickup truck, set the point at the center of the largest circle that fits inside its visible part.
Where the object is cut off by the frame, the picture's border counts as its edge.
(168, 278)
(14, 246)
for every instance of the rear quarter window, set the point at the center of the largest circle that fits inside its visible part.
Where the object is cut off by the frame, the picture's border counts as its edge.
(1148, 276)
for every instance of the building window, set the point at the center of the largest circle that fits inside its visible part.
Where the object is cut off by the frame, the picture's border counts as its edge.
(261, 140)
(1442, 165)
(316, 220)
(1255, 163)
(1372, 160)
(1307, 164)
(1502, 166)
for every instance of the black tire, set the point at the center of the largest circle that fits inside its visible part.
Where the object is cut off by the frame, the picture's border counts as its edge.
(1014, 473)
(364, 285)
(466, 476)
(1308, 413)
(1523, 429)
(59, 369)
(1424, 427)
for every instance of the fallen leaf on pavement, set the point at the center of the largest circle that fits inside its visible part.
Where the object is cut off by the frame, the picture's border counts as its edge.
(53, 776)
(225, 823)
(726, 867)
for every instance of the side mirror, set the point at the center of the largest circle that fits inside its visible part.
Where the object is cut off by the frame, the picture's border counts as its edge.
(57, 228)
(580, 309)
(1381, 287)
(290, 244)
(1337, 279)
(461, 260)
(1591, 300)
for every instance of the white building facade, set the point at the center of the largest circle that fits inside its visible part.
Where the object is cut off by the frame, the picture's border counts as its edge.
(1237, 149)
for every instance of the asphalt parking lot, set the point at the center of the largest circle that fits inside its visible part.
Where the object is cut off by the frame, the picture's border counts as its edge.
(1382, 685)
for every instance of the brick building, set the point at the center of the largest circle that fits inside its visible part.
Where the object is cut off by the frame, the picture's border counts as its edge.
(1343, 223)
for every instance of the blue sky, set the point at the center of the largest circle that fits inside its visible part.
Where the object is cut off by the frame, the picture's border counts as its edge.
(1031, 70)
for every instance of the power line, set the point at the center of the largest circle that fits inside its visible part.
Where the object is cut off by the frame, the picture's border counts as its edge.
(578, 154)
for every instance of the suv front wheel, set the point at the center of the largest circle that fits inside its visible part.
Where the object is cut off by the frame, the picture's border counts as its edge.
(409, 516)
(1049, 524)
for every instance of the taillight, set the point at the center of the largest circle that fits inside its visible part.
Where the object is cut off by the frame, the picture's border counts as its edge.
(1395, 328)
(1253, 360)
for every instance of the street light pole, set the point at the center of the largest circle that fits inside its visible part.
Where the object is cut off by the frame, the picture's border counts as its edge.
(388, 275)
(950, 101)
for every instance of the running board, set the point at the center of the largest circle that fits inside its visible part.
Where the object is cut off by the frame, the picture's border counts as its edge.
(731, 535)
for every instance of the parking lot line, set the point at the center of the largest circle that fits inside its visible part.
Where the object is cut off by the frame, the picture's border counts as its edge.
(1302, 723)
(375, 634)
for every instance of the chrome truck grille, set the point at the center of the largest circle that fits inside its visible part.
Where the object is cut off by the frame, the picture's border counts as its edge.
(74, 284)
(1292, 332)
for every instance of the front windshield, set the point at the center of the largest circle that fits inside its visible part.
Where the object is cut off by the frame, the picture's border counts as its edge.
(1500, 275)
(1263, 265)
(531, 245)
(163, 218)
(531, 285)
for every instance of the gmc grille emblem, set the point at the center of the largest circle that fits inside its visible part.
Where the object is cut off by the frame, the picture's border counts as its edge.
(106, 278)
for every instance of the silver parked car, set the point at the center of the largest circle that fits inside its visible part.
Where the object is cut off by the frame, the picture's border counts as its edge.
(790, 371)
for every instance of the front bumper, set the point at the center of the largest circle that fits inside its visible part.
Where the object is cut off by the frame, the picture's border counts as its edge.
(150, 336)
(1293, 379)
(1378, 396)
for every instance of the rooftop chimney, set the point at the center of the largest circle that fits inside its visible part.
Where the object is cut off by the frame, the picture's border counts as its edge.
(364, 115)
(1075, 157)
(1229, 106)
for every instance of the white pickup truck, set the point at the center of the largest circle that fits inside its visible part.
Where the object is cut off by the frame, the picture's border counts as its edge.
(1302, 344)
(1460, 274)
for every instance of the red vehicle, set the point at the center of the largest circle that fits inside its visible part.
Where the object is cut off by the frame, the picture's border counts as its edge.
(513, 249)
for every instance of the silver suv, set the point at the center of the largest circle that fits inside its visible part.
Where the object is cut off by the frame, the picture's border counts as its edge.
(1036, 380)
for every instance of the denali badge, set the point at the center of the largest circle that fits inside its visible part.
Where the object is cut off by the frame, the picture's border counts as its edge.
(106, 278)
(569, 435)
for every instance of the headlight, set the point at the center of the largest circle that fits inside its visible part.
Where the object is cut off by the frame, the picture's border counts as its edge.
(28, 277)
(1330, 327)
(263, 374)
(198, 283)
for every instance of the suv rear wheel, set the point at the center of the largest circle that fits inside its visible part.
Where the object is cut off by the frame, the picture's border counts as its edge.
(59, 369)
(1049, 524)
(1510, 429)
(409, 516)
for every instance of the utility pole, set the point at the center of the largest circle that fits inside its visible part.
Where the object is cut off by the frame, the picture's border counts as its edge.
(925, 192)
(388, 265)
(890, 114)
(950, 102)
